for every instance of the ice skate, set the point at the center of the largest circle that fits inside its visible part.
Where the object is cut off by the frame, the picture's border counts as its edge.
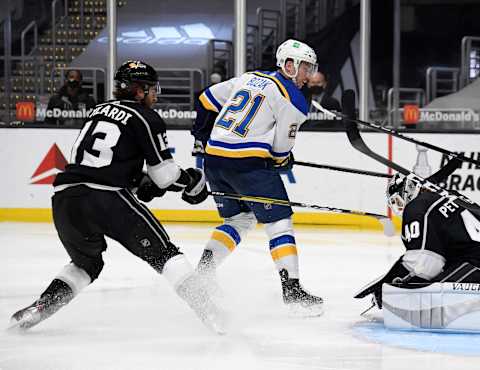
(195, 293)
(207, 273)
(27, 317)
(299, 301)
(57, 295)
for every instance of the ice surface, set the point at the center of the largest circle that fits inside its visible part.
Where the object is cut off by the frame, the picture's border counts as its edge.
(131, 319)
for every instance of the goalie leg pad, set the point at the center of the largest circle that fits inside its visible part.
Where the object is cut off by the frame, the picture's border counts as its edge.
(437, 307)
(398, 274)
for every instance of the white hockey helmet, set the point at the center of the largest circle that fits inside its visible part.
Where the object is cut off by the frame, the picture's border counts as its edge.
(298, 52)
(401, 190)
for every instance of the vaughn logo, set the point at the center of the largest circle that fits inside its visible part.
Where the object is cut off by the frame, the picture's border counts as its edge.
(189, 34)
(473, 287)
(53, 163)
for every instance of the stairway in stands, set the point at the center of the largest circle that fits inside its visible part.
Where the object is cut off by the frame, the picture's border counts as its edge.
(73, 34)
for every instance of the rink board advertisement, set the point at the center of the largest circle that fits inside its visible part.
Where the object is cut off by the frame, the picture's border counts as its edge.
(30, 158)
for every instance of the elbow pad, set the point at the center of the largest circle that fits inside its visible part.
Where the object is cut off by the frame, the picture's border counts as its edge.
(165, 173)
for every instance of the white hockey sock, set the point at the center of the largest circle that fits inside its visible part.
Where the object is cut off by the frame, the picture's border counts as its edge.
(76, 277)
(283, 247)
(176, 270)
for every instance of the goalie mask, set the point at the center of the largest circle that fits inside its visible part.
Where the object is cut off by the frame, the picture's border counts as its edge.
(400, 191)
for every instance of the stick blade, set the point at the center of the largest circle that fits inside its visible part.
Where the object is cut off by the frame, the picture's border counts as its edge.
(348, 104)
(388, 226)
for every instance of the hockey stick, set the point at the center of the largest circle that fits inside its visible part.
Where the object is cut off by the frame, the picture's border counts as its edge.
(348, 104)
(341, 169)
(388, 227)
(395, 133)
(329, 167)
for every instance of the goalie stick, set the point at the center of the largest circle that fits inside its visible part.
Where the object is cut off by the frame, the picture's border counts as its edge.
(395, 133)
(388, 227)
(348, 104)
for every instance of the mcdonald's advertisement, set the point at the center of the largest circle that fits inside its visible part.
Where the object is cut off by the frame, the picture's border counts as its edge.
(412, 115)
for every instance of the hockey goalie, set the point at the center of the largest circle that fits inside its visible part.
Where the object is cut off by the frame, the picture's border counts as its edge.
(435, 284)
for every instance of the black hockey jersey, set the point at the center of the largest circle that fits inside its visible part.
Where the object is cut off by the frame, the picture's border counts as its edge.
(116, 139)
(448, 226)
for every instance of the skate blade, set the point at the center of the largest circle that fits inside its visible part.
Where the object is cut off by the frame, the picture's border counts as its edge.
(298, 310)
(18, 325)
(28, 320)
(215, 322)
(217, 328)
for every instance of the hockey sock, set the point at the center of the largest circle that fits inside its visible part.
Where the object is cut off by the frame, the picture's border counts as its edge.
(223, 241)
(283, 247)
(284, 253)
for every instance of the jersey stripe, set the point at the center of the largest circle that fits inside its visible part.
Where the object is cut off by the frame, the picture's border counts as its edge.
(425, 221)
(59, 188)
(146, 126)
(254, 144)
(237, 153)
(206, 103)
(144, 213)
(280, 86)
(242, 150)
(209, 102)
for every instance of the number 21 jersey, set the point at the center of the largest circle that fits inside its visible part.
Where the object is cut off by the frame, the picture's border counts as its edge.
(259, 115)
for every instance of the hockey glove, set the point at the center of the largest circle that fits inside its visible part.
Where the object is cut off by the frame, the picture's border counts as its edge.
(286, 164)
(196, 191)
(147, 190)
(198, 148)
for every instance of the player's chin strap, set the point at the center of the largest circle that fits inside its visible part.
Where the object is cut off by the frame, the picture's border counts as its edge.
(388, 227)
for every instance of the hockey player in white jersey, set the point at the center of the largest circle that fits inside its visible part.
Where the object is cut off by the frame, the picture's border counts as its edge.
(251, 140)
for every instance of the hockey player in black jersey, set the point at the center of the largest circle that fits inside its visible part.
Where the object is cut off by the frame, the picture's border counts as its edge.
(94, 198)
(441, 234)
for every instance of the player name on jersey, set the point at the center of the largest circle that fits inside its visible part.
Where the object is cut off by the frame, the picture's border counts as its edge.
(112, 112)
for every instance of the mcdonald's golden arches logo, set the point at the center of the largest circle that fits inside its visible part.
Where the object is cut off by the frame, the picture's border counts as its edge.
(411, 114)
(25, 111)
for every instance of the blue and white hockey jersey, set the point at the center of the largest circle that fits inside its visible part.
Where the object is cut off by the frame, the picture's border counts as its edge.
(260, 114)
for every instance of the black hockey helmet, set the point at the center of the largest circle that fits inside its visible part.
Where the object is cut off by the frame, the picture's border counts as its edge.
(136, 71)
(400, 191)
